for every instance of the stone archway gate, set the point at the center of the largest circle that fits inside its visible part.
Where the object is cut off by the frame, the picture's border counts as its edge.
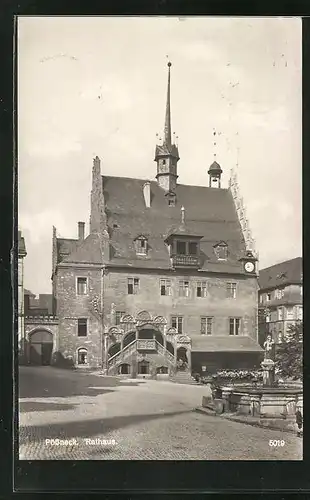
(42, 329)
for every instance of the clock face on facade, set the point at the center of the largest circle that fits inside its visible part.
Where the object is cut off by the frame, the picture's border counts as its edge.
(249, 267)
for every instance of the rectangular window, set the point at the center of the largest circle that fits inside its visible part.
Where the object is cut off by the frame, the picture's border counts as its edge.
(231, 290)
(133, 286)
(268, 297)
(81, 286)
(181, 248)
(118, 315)
(165, 287)
(177, 322)
(261, 298)
(192, 248)
(280, 313)
(184, 288)
(82, 327)
(206, 326)
(234, 326)
(290, 313)
(280, 293)
(201, 289)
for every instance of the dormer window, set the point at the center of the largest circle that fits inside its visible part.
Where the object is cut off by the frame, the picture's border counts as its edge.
(171, 197)
(141, 245)
(221, 251)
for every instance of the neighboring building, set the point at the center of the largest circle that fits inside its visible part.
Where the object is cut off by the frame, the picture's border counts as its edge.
(21, 255)
(166, 278)
(280, 298)
(43, 305)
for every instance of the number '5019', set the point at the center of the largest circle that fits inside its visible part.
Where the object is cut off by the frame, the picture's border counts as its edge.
(276, 442)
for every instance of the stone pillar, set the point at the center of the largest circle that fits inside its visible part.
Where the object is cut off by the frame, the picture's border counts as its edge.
(255, 406)
(189, 359)
(226, 392)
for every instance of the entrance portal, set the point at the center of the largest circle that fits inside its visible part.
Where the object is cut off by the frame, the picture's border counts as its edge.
(41, 347)
(143, 367)
(124, 369)
(182, 361)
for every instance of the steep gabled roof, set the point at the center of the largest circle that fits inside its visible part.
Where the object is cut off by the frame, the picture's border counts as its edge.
(209, 212)
(87, 251)
(284, 273)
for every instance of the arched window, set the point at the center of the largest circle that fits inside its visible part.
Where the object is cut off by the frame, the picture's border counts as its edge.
(82, 356)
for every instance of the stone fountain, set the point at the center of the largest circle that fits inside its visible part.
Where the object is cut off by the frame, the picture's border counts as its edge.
(266, 400)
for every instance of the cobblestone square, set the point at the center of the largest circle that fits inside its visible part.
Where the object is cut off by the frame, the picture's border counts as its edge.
(104, 418)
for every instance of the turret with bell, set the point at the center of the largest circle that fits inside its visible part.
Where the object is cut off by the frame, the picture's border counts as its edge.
(215, 173)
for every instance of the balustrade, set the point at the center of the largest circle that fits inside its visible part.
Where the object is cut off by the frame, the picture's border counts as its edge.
(185, 260)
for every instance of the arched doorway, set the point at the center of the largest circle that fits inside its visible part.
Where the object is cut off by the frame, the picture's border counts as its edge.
(82, 356)
(41, 347)
(182, 361)
(124, 369)
(143, 367)
(162, 370)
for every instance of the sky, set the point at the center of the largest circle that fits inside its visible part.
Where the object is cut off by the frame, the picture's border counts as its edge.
(92, 86)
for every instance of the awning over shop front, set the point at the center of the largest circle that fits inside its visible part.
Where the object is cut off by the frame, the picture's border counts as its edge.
(229, 343)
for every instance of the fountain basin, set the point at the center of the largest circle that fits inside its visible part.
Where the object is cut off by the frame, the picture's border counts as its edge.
(265, 402)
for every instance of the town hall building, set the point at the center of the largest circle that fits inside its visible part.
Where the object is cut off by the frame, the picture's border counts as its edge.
(166, 279)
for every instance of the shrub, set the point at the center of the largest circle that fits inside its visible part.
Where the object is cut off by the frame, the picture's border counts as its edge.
(289, 354)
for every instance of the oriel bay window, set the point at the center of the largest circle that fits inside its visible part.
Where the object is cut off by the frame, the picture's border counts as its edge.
(177, 323)
(184, 249)
(234, 326)
(165, 287)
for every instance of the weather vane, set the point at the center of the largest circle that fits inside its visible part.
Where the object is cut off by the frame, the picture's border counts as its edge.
(214, 143)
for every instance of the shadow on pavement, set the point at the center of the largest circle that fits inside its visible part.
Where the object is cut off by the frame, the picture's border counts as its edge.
(30, 406)
(40, 382)
(86, 428)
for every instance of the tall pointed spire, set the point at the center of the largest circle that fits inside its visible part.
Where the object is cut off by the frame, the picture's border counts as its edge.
(166, 152)
(167, 132)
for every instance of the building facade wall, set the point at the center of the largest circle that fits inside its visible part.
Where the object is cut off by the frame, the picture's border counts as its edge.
(109, 291)
(192, 308)
(71, 307)
(283, 306)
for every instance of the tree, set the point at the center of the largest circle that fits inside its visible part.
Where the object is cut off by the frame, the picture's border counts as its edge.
(289, 354)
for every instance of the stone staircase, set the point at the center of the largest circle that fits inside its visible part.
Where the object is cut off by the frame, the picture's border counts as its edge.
(183, 378)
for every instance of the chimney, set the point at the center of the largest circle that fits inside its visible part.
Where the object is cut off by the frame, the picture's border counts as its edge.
(147, 194)
(81, 226)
